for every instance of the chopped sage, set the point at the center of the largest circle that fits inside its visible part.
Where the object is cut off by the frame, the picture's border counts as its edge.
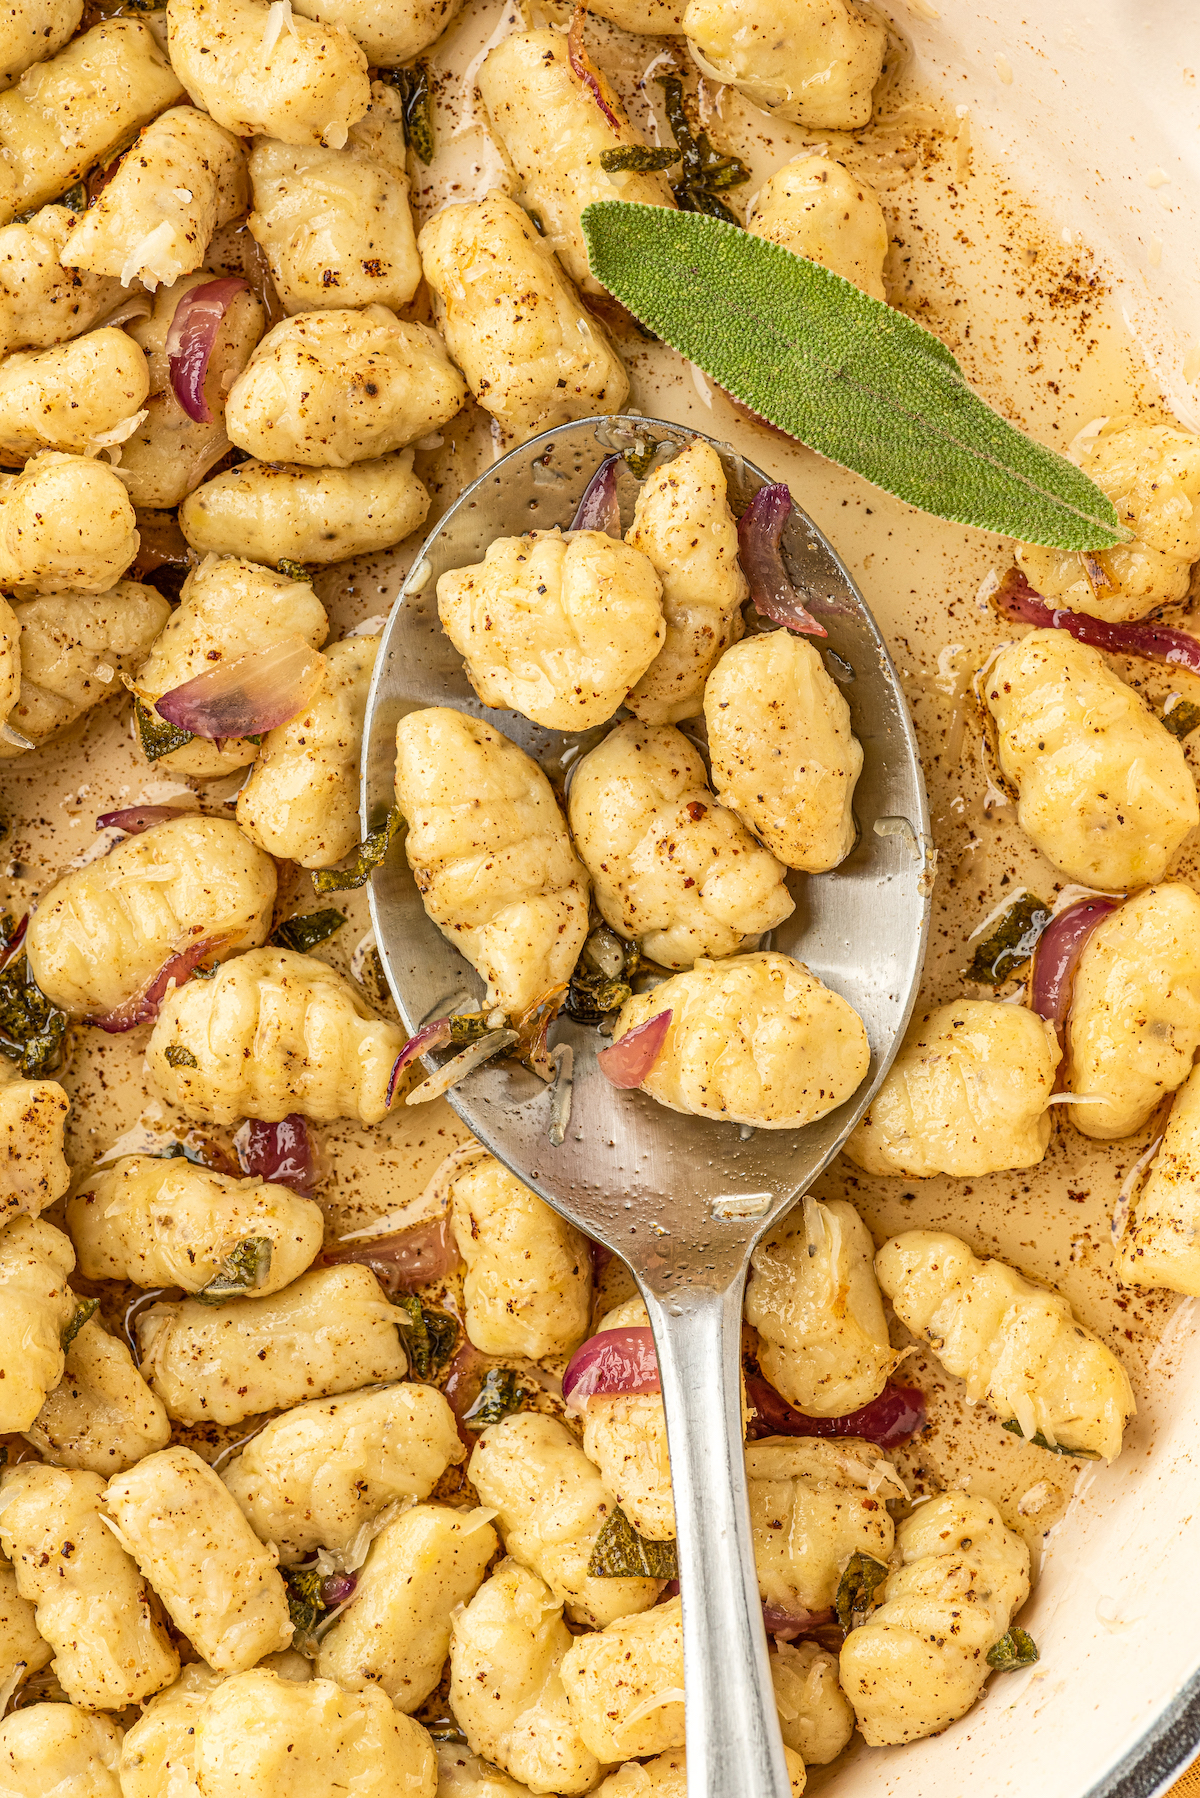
(304, 933)
(305, 1604)
(243, 1270)
(500, 1395)
(1011, 943)
(207, 970)
(636, 157)
(638, 460)
(85, 1309)
(75, 199)
(705, 173)
(295, 571)
(416, 107)
(179, 1057)
(592, 997)
(621, 1553)
(429, 1336)
(367, 857)
(535, 219)
(856, 1590)
(157, 737)
(1016, 1649)
(468, 1027)
(32, 1030)
(1055, 1448)
(1180, 716)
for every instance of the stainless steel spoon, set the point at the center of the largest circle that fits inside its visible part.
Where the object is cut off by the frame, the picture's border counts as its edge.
(683, 1200)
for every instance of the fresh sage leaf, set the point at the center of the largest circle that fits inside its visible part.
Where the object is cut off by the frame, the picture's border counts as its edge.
(500, 1395)
(157, 737)
(1180, 716)
(1011, 943)
(1054, 1448)
(304, 933)
(1016, 1649)
(85, 1309)
(856, 1590)
(849, 375)
(367, 857)
(32, 1030)
(243, 1270)
(621, 1553)
(429, 1336)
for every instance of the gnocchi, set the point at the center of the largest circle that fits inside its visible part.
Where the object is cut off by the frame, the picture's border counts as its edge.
(551, 1504)
(158, 1755)
(159, 1222)
(330, 1331)
(275, 511)
(41, 301)
(625, 1684)
(1151, 472)
(814, 1504)
(258, 1731)
(625, 1434)
(101, 1417)
(814, 1713)
(496, 872)
(533, 356)
(666, 1777)
(68, 113)
(301, 800)
(36, 1305)
(462, 1774)
(683, 525)
(228, 608)
(813, 62)
(528, 1284)
(22, 1649)
(420, 1568)
(506, 1654)
(33, 1168)
(318, 1475)
(1134, 1024)
(554, 136)
(104, 931)
(335, 225)
(814, 1300)
(33, 30)
(305, 83)
(1159, 1244)
(754, 1040)
(919, 1662)
(555, 627)
(183, 178)
(1103, 789)
(73, 647)
(317, 1049)
(93, 1607)
(817, 207)
(75, 397)
(54, 1748)
(784, 757)
(969, 1093)
(392, 33)
(170, 452)
(217, 1581)
(65, 522)
(671, 869)
(326, 389)
(1015, 1344)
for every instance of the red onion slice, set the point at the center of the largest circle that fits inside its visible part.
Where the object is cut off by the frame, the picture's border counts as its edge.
(11, 947)
(248, 696)
(283, 1153)
(598, 509)
(627, 1062)
(786, 1625)
(1016, 599)
(137, 818)
(338, 1588)
(144, 1005)
(190, 340)
(577, 57)
(889, 1420)
(760, 529)
(435, 1035)
(1057, 956)
(614, 1361)
(405, 1260)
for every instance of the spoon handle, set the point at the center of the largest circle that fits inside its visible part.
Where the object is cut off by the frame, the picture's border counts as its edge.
(734, 1748)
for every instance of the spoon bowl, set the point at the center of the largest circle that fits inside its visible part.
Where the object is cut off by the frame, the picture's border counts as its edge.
(682, 1199)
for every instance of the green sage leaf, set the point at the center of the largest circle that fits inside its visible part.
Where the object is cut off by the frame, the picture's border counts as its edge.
(638, 157)
(856, 1590)
(295, 571)
(429, 1337)
(416, 107)
(243, 1270)
(85, 1309)
(157, 737)
(1054, 1448)
(367, 857)
(621, 1553)
(177, 1056)
(1010, 944)
(305, 1604)
(1180, 716)
(1016, 1649)
(500, 1395)
(32, 1030)
(848, 375)
(304, 933)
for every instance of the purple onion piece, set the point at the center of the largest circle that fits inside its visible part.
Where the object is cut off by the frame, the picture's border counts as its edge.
(283, 1153)
(1057, 956)
(611, 1362)
(894, 1417)
(190, 340)
(1016, 599)
(577, 57)
(405, 1260)
(786, 1625)
(137, 818)
(598, 509)
(11, 947)
(145, 1005)
(434, 1035)
(337, 1588)
(627, 1061)
(760, 530)
(248, 696)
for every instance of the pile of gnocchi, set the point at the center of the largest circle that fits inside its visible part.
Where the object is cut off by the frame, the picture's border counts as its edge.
(390, 1512)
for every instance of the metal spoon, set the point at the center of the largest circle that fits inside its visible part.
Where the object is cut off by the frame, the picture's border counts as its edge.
(683, 1200)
